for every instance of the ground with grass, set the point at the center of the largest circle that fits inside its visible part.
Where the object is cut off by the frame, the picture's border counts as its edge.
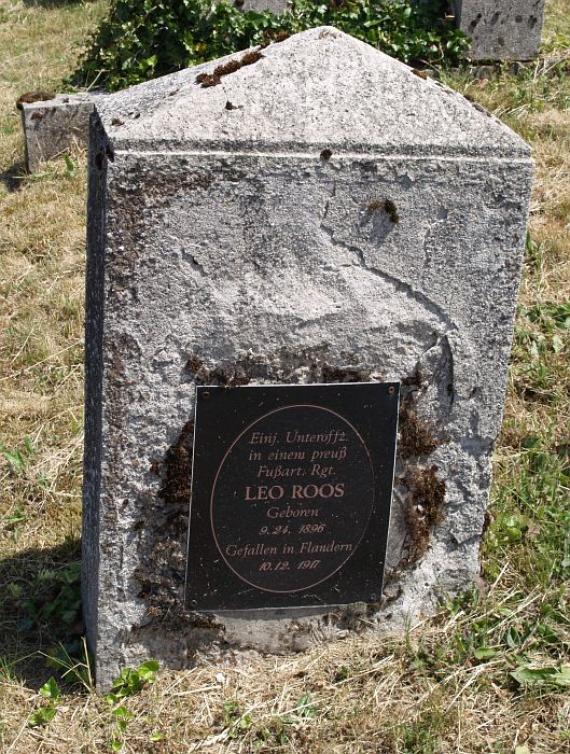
(490, 674)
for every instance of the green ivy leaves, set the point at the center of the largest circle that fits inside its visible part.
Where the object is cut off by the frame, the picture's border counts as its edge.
(140, 40)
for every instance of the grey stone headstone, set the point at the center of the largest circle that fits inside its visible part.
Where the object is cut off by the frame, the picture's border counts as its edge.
(53, 127)
(501, 29)
(321, 214)
(275, 6)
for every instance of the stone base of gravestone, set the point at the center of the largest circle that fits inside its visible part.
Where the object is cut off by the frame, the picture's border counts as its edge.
(311, 212)
(501, 29)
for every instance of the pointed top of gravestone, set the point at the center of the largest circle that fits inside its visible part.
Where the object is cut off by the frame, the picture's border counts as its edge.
(317, 90)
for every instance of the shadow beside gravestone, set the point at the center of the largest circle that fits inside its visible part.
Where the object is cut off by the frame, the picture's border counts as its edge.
(12, 178)
(40, 611)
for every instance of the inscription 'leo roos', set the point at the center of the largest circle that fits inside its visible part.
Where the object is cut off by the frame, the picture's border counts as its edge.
(295, 492)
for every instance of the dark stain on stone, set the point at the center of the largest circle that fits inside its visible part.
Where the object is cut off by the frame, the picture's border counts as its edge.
(385, 205)
(353, 617)
(160, 574)
(418, 437)
(178, 468)
(344, 374)
(391, 211)
(208, 79)
(475, 21)
(145, 590)
(120, 348)
(37, 116)
(415, 379)
(279, 367)
(223, 375)
(424, 510)
(226, 68)
(392, 586)
(200, 180)
(29, 97)
(140, 196)
(194, 364)
(232, 377)
(204, 620)
(376, 205)
(205, 628)
(118, 390)
(326, 154)
(213, 79)
(250, 57)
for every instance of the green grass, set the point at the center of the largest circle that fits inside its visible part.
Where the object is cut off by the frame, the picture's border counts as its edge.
(556, 30)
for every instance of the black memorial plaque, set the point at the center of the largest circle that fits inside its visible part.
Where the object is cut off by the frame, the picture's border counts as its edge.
(291, 494)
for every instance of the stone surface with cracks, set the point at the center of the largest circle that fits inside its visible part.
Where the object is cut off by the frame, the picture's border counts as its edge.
(225, 248)
(501, 29)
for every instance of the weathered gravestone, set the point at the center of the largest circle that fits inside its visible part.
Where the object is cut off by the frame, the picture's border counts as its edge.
(275, 6)
(308, 213)
(501, 29)
(54, 126)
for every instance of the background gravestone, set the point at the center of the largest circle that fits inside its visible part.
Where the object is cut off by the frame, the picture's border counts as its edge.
(275, 6)
(52, 127)
(310, 213)
(501, 29)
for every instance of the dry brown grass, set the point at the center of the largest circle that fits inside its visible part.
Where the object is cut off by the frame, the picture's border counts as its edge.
(362, 694)
(422, 694)
(41, 284)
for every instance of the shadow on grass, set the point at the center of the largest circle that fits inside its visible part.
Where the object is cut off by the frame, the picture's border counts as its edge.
(40, 610)
(14, 177)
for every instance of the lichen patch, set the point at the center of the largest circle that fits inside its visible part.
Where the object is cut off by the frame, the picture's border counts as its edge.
(425, 508)
(224, 69)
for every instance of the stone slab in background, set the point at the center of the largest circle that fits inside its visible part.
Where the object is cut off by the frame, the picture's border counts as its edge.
(318, 215)
(501, 29)
(53, 127)
(275, 6)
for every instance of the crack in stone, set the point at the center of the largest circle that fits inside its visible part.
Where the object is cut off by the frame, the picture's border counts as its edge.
(398, 284)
